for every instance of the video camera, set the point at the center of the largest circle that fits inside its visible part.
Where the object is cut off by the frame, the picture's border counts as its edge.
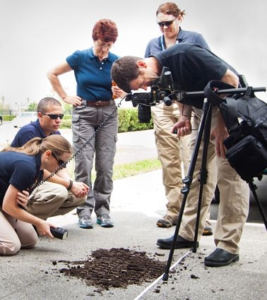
(161, 90)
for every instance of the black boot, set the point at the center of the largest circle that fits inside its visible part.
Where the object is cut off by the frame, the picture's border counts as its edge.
(180, 243)
(220, 258)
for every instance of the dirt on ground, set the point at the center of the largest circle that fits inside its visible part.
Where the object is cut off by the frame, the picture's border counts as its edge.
(115, 268)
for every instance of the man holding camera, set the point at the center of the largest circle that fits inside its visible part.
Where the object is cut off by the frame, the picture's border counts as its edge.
(192, 67)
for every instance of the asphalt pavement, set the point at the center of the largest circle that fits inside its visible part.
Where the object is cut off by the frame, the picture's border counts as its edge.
(137, 202)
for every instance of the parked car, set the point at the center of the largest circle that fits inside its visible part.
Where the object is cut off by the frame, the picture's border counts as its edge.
(24, 118)
(1, 119)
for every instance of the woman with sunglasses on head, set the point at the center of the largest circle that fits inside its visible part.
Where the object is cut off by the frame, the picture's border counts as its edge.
(92, 105)
(21, 168)
(50, 199)
(172, 151)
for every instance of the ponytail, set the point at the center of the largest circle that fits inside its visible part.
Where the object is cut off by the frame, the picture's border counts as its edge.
(56, 143)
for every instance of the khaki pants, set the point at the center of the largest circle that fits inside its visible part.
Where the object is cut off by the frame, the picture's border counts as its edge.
(51, 199)
(234, 199)
(15, 234)
(171, 153)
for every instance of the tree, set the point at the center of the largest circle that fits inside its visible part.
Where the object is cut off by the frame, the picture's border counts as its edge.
(32, 106)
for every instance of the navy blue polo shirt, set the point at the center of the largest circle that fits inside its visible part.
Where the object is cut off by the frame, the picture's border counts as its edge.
(20, 170)
(92, 76)
(29, 132)
(192, 67)
(157, 45)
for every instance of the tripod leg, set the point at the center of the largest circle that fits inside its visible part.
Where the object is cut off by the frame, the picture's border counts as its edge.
(188, 180)
(203, 171)
(253, 188)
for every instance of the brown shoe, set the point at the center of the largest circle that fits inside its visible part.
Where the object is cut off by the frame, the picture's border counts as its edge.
(166, 221)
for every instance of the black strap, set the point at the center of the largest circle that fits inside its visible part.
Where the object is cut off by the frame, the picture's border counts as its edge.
(212, 87)
(228, 110)
(226, 105)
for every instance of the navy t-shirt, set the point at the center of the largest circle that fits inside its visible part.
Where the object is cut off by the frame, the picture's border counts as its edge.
(157, 45)
(19, 169)
(29, 132)
(92, 76)
(192, 67)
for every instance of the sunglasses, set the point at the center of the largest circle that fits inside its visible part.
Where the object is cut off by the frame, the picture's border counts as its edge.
(59, 161)
(165, 23)
(54, 116)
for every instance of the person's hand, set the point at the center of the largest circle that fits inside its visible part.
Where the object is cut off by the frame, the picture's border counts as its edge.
(22, 198)
(43, 228)
(74, 100)
(182, 127)
(117, 92)
(79, 189)
(219, 133)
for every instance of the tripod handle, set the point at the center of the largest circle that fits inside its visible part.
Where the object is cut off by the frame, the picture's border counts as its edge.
(225, 91)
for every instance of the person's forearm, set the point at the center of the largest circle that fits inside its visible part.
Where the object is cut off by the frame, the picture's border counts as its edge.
(230, 78)
(56, 85)
(57, 179)
(64, 174)
(220, 121)
(22, 215)
(185, 110)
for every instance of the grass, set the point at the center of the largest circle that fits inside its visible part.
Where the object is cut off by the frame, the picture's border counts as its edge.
(127, 170)
(135, 168)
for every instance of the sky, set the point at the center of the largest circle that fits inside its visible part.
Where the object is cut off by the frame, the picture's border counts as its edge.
(36, 35)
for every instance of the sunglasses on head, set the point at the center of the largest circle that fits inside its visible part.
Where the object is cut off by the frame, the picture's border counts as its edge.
(54, 116)
(59, 161)
(165, 23)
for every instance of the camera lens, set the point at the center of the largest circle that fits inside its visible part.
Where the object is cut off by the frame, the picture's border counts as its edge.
(167, 101)
(144, 113)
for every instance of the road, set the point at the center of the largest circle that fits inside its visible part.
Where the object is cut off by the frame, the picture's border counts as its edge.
(131, 146)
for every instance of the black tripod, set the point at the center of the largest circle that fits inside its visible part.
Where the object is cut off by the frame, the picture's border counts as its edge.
(203, 131)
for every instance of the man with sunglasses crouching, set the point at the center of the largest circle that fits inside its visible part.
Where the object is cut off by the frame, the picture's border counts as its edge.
(51, 199)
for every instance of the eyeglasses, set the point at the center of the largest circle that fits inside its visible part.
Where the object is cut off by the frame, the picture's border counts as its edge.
(54, 116)
(59, 161)
(166, 23)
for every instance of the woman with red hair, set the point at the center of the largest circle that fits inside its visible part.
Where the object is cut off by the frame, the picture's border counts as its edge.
(92, 105)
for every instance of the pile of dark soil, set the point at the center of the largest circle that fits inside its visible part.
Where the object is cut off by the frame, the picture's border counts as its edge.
(115, 268)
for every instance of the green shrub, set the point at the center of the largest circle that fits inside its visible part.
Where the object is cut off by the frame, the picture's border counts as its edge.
(67, 117)
(135, 125)
(66, 123)
(124, 116)
(8, 117)
(127, 119)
